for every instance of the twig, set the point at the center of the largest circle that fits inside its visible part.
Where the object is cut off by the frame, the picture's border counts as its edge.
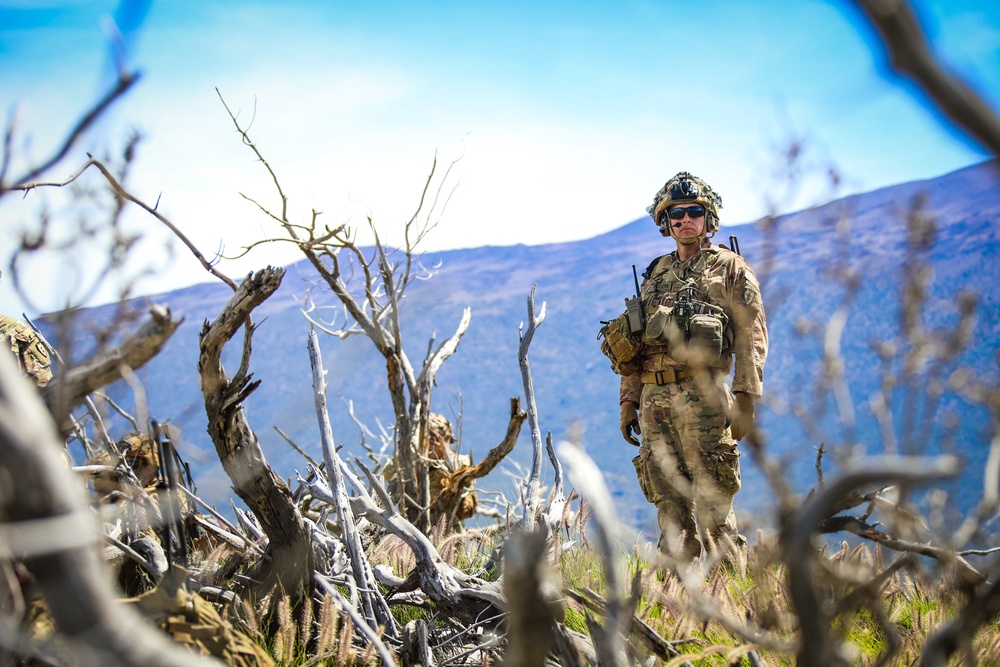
(120, 191)
(233, 530)
(298, 449)
(819, 465)
(137, 557)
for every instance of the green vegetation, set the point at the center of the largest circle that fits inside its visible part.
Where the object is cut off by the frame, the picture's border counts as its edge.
(697, 620)
(906, 612)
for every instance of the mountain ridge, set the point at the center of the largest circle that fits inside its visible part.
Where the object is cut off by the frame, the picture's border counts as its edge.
(797, 256)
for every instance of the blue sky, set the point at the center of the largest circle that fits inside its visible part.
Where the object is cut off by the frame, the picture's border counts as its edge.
(566, 117)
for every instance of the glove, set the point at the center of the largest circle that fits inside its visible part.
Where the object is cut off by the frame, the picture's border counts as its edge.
(629, 422)
(742, 416)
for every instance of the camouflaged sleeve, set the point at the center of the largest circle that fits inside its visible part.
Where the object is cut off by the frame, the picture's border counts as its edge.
(631, 388)
(29, 351)
(749, 331)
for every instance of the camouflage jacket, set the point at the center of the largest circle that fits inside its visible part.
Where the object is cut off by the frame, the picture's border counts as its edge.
(727, 281)
(29, 351)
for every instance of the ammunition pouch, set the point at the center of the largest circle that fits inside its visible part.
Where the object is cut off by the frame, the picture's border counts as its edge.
(705, 343)
(620, 345)
(641, 463)
(661, 328)
(699, 339)
(652, 482)
(724, 463)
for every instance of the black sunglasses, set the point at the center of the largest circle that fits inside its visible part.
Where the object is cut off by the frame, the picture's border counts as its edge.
(693, 211)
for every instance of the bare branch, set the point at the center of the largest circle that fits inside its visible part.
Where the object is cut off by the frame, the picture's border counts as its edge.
(532, 495)
(815, 646)
(464, 597)
(376, 611)
(589, 483)
(360, 622)
(72, 386)
(122, 85)
(120, 191)
(434, 361)
(48, 522)
(910, 55)
(531, 587)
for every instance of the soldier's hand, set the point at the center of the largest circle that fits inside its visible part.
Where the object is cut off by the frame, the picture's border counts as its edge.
(629, 422)
(742, 416)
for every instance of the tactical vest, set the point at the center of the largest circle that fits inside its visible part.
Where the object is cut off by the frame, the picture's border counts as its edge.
(683, 319)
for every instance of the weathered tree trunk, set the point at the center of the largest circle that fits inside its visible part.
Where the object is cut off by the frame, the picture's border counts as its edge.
(266, 495)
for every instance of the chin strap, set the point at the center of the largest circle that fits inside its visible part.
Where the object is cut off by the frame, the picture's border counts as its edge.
(698, 240)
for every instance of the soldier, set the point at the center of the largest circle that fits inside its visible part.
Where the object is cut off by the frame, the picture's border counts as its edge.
(702, 308)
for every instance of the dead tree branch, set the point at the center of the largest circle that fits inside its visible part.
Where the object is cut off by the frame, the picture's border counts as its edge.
(863, 529)
(555, 514)
(47, 523)
(121, 192)
(358, 621)
(531, 587)
(533, 493)
(125, 81)
(237, 446)
(816, 646)
(463, 478)
(463, 597)
(910, 55)
(72, 386)
(609, 639)
(376, 611)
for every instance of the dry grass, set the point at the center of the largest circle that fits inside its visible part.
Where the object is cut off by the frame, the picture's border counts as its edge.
(890, 622)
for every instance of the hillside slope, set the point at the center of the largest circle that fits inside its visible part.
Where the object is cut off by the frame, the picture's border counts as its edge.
(584, 282)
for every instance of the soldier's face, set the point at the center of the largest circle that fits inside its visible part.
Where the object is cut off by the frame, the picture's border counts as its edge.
(688, 229)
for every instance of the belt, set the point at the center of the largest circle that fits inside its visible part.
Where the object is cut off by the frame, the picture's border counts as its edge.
(661, 378)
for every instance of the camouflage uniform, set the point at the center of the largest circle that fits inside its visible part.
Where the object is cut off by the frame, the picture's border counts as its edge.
(30, 352)
(688, 465)
(191, 620)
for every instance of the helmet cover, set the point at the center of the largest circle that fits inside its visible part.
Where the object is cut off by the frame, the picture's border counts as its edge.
(685, 188)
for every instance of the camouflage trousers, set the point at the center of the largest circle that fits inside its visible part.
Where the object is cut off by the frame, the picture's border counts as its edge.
(689, 467)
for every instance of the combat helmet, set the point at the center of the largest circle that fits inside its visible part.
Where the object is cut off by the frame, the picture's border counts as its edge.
(685, 188)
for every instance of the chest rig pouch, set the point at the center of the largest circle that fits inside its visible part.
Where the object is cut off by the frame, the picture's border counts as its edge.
(693, 330)
(620, 345)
